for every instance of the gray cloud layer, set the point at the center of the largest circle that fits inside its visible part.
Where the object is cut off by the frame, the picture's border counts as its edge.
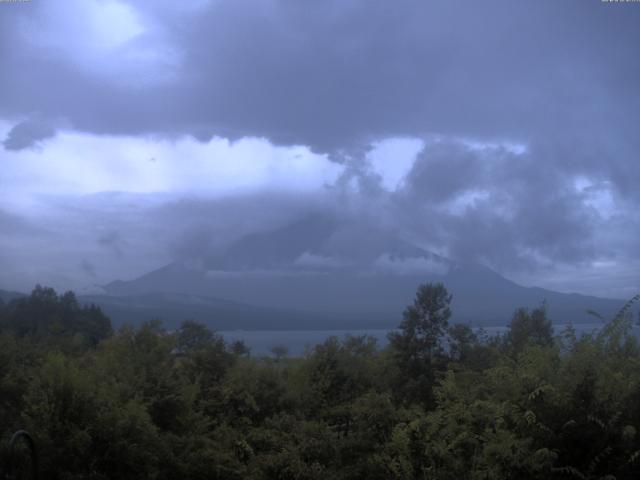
(524, 212)
(329, 74)
(560, 78)
(28, 134)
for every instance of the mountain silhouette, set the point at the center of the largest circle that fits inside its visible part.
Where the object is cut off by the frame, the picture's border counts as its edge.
(320, 272)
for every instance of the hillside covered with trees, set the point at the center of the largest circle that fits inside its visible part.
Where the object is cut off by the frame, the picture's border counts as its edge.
(441, 401)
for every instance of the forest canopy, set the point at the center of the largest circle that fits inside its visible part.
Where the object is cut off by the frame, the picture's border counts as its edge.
(440, 401)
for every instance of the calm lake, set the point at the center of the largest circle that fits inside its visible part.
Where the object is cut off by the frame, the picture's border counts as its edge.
(297, 341)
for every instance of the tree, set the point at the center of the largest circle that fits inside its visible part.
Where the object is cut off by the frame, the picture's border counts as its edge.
(529, 328)
(418, 345)
(59, 319)
(280, 352)
(462, 339)
(193, 336)
(424, 323)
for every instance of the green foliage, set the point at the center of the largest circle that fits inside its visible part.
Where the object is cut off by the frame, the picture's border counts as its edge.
(437, 403)
(45, 316)
(424, 324)
(417, 347)
(529, 328)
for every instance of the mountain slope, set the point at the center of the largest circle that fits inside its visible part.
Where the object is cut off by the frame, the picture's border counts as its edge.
(6, 295)
(173, 308)
(353, 300)
(343, 273)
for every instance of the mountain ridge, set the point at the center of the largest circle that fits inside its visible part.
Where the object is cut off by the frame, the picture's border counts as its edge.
(351, 273)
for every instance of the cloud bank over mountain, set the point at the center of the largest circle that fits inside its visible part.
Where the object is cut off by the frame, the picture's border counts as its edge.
(502, 132)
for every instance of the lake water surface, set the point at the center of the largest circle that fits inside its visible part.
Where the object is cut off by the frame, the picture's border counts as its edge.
(297, 341)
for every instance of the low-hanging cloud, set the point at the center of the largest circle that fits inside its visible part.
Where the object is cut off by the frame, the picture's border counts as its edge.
(28, 134)
(526, 118)
(510, 209)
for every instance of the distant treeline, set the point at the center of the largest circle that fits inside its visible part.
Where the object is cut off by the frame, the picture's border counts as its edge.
(143, 403)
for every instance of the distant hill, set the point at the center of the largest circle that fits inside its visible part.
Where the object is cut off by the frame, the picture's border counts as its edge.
(322, 272)
(7, 296)
(173, 308)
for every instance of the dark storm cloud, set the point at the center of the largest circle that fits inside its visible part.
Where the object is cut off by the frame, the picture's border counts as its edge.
(559, 78)
(446, 169)
(334, 74)
(28, 134)
(512, 209)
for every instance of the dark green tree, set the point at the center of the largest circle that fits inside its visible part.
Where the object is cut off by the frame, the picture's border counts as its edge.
(462, 340)
(58, 319)
(529, 328)
(193, 336)
(417, 347)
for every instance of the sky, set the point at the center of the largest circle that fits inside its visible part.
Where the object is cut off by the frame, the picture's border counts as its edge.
(503, 132)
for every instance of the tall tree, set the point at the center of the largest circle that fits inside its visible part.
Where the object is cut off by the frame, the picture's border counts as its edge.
(529, 328)
(417, 347)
